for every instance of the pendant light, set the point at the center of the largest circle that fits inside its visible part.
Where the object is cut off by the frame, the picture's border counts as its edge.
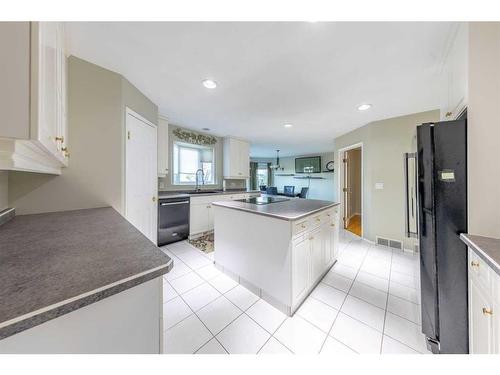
(277, 165)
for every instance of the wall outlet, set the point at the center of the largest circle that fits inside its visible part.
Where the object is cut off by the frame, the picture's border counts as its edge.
(162, 185)
(379, 186)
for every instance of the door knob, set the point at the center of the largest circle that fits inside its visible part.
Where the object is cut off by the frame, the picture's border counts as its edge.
(487, 311)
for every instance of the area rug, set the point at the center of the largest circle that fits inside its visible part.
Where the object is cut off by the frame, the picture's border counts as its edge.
(204, 243)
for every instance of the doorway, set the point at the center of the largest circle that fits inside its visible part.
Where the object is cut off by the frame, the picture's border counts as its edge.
(352, 187)
(141, 208)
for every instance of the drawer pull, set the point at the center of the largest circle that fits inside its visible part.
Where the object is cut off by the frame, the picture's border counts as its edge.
(312, 238)
(487, 311)
(318, 219)
(474, 264)
(303, 226)
(332, 225)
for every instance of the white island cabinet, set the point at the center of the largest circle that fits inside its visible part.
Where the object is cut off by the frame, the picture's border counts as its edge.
(280, 256)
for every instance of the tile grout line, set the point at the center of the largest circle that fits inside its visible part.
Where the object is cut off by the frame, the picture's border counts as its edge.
(272, 335)
(347, 294)
(386, 306)
(244, 313)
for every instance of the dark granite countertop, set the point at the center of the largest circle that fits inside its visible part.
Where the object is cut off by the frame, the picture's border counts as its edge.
(191, 193)
(486, 247)
(291, 209)
(54, 263)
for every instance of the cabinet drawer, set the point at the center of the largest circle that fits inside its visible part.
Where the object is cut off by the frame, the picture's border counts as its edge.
(480, 271)
(329, 216)
(316, 220)
(300, 227)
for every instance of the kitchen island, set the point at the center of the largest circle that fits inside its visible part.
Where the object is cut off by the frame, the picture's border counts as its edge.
(276, 247)
(83, 281)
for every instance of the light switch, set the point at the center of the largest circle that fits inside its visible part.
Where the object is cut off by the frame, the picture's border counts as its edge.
(379, 186)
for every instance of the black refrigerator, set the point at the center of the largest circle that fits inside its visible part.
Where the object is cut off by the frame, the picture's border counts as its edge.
(442, 201)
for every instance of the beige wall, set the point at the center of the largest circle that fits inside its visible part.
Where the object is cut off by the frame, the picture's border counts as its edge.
(167, 181)
(4, 189)
(384, 143)
(96, 105)
(484, 129)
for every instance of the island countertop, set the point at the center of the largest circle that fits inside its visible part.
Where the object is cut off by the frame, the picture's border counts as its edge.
(486, 247)
(292, 209)
(54, 263)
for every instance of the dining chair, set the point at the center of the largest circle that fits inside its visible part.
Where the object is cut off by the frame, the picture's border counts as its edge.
(272, 190)
(289, 190)
(303, 192)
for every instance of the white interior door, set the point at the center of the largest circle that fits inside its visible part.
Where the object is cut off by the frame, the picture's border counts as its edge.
(140, 174)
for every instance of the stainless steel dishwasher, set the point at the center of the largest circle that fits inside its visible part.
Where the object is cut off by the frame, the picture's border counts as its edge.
(173, 220)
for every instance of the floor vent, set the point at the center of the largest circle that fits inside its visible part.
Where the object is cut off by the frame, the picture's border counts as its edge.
(396, 244)
(389, 243)
(382, 241)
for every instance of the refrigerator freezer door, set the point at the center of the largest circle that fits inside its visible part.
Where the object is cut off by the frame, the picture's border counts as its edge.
(450, 185)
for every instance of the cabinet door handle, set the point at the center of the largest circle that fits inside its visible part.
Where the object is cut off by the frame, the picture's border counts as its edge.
(332, 225)
(487, 311)
(311, 238)
(448, 114)
(474, 264)
(60, 139)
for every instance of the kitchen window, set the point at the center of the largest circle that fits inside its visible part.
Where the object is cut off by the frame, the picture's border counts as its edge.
(187, 159)
(262, 174)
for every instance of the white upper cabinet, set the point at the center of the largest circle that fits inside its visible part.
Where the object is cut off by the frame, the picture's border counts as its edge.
(162, 147)
(236, 158)
(33, 131)
(454, 74)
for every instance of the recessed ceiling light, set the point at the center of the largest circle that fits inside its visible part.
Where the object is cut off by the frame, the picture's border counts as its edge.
(206, 129)
(364, 107)
(288, 125)
(209, 83)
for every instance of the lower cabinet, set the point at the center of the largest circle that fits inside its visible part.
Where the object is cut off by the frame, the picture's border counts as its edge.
(318, 242)
(199, 218)
(484, 307)
(201, 215)
(313, 253)
(300, 267)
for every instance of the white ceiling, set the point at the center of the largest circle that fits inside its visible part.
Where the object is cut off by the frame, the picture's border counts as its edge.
(313, 75)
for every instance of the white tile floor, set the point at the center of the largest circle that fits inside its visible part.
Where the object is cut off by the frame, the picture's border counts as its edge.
(367, 303)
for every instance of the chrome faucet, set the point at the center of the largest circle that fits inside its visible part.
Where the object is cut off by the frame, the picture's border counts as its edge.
(202, 179)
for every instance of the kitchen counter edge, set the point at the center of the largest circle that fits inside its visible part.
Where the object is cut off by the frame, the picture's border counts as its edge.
(185, 194)
(487, 248)
(35, 318)
(276, 216)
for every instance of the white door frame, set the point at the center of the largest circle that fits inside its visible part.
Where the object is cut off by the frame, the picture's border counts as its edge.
(341, 181)
(129, 111)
